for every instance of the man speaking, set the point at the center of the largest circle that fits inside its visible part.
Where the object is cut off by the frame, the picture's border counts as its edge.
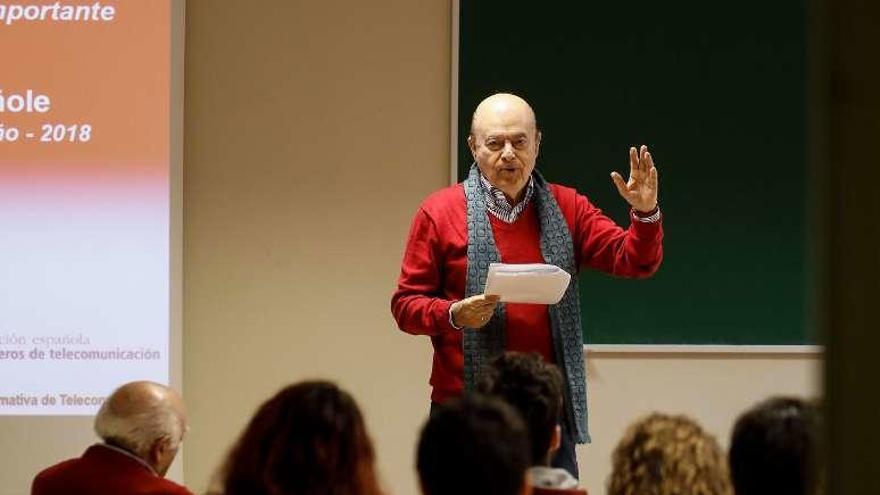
(506, 212)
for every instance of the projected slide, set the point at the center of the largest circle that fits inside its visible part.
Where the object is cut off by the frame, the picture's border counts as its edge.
(84, 201)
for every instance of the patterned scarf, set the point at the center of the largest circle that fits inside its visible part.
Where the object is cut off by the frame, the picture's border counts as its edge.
(498, 205)
(480, 346)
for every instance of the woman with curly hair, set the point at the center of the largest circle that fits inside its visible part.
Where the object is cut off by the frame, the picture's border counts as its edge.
(309, 439)
(668, 455)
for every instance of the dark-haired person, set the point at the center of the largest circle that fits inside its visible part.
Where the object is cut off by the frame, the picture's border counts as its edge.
(774, 449)
(309, 439)
(534, 388)
(473, 446)
(668, 455)
(506, 211)
(142, 425)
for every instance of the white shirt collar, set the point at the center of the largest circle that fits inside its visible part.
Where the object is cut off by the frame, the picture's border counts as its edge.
(548, 477)
(129, 454)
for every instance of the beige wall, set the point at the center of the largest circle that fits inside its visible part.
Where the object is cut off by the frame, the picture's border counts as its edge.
(313, 130)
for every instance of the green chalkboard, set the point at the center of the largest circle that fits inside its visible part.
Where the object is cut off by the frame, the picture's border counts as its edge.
(718, 91)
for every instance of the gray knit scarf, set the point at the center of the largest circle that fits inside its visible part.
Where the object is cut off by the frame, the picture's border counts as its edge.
(480, 346)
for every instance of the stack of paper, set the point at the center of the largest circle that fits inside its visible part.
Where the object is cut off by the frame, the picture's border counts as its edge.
(535, 283)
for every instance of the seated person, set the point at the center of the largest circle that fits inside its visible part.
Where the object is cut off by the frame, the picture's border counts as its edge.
(534, 388)
(474, 446)
(142, 425)
(774, 449)
(309, 439)
(668, 455)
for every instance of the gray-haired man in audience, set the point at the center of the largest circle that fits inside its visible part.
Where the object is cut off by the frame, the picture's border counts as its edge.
(142, 425)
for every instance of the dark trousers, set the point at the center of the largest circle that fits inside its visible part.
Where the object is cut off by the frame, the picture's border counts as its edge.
(565, 457)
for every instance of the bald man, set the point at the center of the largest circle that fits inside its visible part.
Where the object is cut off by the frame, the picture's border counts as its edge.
(506, 212)
(142, 425)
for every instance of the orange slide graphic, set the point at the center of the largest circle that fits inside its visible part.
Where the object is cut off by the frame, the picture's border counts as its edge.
(85, 98)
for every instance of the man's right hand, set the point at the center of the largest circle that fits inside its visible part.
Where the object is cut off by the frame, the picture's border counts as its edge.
(474, 312)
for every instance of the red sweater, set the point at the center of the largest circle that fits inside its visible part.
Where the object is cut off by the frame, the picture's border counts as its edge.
(103, 470)
(434, 269)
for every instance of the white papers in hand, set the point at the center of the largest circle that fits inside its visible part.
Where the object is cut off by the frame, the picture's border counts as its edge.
(534, 283)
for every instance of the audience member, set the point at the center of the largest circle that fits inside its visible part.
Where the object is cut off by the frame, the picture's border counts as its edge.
(142, 425)
(668, 455)
(309, 439)
(474, 446)
(534, 388)
(774, 449)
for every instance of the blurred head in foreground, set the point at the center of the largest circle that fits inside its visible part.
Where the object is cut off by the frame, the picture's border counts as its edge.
(534, 388)
(668, 455)
(309, 439)
(474, 445)
(774, 449)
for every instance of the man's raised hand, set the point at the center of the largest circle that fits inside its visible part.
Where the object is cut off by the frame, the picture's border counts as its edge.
(640, 191)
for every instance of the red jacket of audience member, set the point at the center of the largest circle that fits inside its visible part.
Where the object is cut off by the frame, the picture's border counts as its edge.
(104, 470)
